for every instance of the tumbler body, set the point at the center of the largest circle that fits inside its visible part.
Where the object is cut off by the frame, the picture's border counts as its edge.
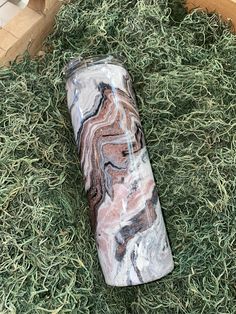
(130, 234)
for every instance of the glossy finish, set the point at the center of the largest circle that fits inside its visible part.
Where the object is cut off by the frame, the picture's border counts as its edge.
(131, 238)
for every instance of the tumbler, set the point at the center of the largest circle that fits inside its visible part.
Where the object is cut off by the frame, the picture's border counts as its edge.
(126, 216)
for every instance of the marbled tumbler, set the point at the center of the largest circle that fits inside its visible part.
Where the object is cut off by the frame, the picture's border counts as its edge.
(131, 238)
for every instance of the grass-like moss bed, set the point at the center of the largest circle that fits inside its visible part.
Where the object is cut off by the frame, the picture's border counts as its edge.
(184, 73)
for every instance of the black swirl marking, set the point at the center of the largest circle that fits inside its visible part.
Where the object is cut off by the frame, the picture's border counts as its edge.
(139, 223)
(107, 148)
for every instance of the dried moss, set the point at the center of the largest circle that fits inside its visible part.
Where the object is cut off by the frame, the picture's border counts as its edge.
(184, 72)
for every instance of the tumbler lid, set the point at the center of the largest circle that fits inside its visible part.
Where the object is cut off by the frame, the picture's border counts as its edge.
(80, 62)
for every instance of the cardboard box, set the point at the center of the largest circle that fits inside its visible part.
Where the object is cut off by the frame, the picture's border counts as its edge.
(8, 11)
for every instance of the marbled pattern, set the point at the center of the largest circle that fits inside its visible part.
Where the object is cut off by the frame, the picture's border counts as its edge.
(132, 243)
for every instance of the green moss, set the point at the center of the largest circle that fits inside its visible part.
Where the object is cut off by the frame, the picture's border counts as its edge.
(183, 67)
